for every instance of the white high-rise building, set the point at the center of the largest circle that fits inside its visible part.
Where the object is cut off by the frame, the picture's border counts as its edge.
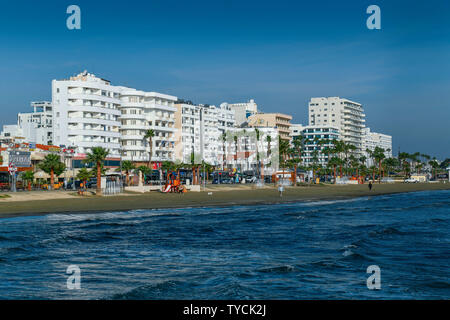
(13, 132)
(296, 130)
(200, 130)
(242, 147)
(316, 140)
(347, 116)
(373, 140)
(187, 136)
(243, 111)
(35, 127)
(86, 113)
(214, 121)
(142, 111)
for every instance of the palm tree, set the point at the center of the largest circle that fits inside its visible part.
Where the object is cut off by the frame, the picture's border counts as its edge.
(348, 149)
(419, 166)
(149, 134)
(434, 166)
(52, 165)
(402, 157)
(339, 149)
(224, 139)
(283, 149)
(128, 166)
(97, 156)
(354, 163)
(414, 158)
(363, 171)
(258, 162)
(389, 164)
(28, 176)
(334, 162)
(235, 139)
(298, 146)
(373, 168)
(84, 175)
(314, 159)
(378, 155)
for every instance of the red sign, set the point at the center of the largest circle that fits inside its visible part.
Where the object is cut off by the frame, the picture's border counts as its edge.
(156, 165)
(12, 168)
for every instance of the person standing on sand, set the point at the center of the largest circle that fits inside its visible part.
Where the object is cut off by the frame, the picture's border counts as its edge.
(280, 190)
(370, 185)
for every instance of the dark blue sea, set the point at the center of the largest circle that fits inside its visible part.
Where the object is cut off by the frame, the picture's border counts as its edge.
(304, 250)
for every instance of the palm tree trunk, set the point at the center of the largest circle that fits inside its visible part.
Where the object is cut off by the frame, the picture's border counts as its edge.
(379, 173)
(52, 179)
(99, 179)
(223, 156)
(262, 171)
(295, 175)
(150, 155)
(334, 173)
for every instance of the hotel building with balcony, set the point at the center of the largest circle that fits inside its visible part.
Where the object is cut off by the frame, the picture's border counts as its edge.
(346, 115)
(373, 140)
(243, 110)
(273, 120)
(199, 132)
(318, 138)
(35, 127)
(142, 111)
(86, 113)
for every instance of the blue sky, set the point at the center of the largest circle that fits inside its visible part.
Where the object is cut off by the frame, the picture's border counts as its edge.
(280, 53)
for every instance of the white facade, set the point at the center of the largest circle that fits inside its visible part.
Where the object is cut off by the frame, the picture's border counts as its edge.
(296, 130)
(313, 136)
(34, 127)
(37, 127)
(11, 131)
(243, 110)
(188, 133)
(142, 111)
(200, 132)
(373, 140)
(86, 113)
(241, 152)
(346, 115)
(214, 123)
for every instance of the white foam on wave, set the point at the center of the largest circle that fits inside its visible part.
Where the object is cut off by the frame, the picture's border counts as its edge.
(326, 202)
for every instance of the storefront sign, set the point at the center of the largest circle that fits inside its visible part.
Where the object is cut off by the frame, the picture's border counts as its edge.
(20, 159)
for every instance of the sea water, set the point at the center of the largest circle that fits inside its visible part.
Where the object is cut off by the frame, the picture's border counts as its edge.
(303, 250)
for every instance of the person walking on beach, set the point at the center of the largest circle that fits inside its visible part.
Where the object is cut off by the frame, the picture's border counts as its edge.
(280, 190)
(370, 185)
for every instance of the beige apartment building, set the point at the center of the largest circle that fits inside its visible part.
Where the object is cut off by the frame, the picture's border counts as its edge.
(281, 121)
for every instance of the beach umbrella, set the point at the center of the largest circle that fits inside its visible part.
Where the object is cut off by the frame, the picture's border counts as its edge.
(41, 175)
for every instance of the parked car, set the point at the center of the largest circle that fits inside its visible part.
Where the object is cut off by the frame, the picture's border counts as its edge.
(78, 183)
(410, 180)
(226, 180)
(250, 179)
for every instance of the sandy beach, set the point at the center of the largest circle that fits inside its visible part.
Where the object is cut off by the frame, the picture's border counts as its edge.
(38, 203)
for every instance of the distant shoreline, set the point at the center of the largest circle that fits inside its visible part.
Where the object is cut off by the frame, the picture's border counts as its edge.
(65, 203)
